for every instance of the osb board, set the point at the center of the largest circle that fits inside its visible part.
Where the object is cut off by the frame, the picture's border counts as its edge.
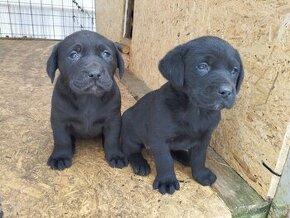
(90, 188)
(253, 131)
(109, 18)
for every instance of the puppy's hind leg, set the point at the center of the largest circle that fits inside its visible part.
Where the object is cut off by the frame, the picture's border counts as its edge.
(132, 148)
(138, 162)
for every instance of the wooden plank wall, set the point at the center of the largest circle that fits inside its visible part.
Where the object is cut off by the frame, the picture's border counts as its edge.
(281, 202)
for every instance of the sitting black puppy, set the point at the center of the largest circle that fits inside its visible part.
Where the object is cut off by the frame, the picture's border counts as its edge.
(86, 99)
(178, 119)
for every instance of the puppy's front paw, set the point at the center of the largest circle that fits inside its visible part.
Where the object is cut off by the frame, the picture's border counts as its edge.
(204, 176)
(166, 185)
(139, 165)
(59, 163)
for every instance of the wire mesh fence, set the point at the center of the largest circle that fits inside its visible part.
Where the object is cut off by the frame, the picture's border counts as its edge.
(45, 19)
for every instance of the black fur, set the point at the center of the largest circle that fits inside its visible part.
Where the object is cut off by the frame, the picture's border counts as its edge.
(86, 99)
(204, 76)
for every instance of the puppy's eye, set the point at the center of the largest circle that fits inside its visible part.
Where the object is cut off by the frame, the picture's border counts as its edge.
(74, 55)
(106, 54)
(235, 70)
(203, 68)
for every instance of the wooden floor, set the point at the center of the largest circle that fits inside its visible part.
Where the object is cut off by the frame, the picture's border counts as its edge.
(90, 188)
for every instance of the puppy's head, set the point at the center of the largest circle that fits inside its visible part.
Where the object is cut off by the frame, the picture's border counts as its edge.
(208, 69)
(87, 61)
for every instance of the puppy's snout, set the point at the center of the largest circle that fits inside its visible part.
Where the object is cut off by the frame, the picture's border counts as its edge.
(225, 91)
(96, 74)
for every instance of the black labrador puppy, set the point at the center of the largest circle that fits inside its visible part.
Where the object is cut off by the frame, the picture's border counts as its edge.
(86, 99)
(204, 76)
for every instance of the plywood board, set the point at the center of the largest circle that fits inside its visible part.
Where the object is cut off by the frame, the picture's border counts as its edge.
(253, 132)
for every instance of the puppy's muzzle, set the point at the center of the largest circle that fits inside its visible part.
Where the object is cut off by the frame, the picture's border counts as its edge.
(226, 95)
(100, 77)
(225, 91)
(95, 74)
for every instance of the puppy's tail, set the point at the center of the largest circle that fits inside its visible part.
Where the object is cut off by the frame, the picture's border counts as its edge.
(181, 156)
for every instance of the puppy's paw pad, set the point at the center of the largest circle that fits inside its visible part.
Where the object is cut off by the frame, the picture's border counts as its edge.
(59, 163)
(205, 177)
(118, 162)
(168, 187)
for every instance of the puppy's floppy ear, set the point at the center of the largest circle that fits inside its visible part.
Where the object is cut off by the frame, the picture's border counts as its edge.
(52, 64)
(120, 61)
(241, 75)
(172, 66)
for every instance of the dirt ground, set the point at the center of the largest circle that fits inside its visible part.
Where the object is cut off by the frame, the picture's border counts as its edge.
(90, 188)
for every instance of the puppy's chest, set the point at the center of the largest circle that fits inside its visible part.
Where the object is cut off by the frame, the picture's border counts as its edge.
(185, 138)
(191, 130)
(89, 119)
(90, 116)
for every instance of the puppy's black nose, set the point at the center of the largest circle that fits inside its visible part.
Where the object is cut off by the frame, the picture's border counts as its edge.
(95, 74)
(225, 91)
